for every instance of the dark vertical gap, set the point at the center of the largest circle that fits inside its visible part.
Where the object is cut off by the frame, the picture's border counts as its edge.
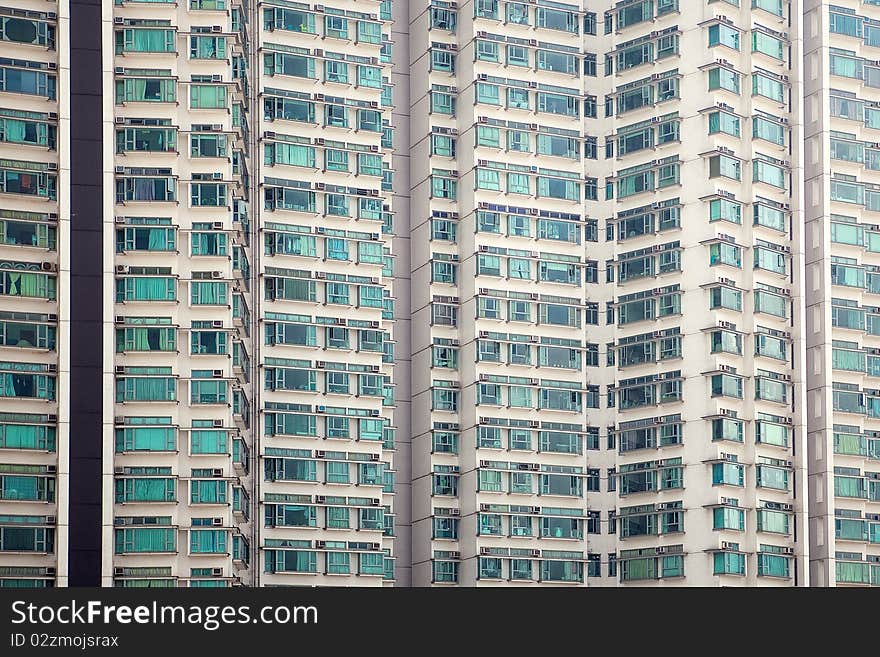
(86, 295)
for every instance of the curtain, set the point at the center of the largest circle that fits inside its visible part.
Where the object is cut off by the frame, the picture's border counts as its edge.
(207, 541)
(149, 489)
(773, 565)
(858, 573)
(204, 293)
(149, 438)
(148, 389)
(295, 155)
(150, 540)
(15, 130)
(141, 339)
(21, 488)
(157, 239)
(150, 289)
(208, 442)
(304, 562)
(20, 436)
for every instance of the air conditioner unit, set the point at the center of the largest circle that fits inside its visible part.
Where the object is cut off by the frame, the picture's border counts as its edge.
(217, 521)
(119, 419)
(320, 499)
(117, 570)
(217, 374)
(121, 269)
(119, 70)
(48, 266)
(485, 550)
(119, 169)
(216, 572)
(319, 454)
(375, 502)
(217, 225)
(120, 369)
(454, 512)
(216, 28)
(374, 457)
(534, 553)
(216, 274)
(51, 367)
(51, 418)
(51, 469)
(118, 20)
(218, 423)
(455, 555)
(216, 472)
(217, 323)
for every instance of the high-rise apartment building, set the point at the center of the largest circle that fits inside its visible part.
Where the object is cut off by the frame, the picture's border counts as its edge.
(841, 121)
(608, 281)
(437, 293)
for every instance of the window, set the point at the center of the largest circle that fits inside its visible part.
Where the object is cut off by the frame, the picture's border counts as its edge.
(486, 9)
(207, 96)
(335, 71)
(518, 98)
(442, 60)
(721, 209)
(727, 385)
(767, 87)
(517, 56)
(487, 51)
(725, 254)
(768, 172)
(724, 35)
(725, 166)
(729, 563)
(724, 122)
(768, 45)
(488, 93)
(722, 78)
(442, 103)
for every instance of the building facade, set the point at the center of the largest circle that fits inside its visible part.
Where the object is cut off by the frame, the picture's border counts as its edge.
(435, 293)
